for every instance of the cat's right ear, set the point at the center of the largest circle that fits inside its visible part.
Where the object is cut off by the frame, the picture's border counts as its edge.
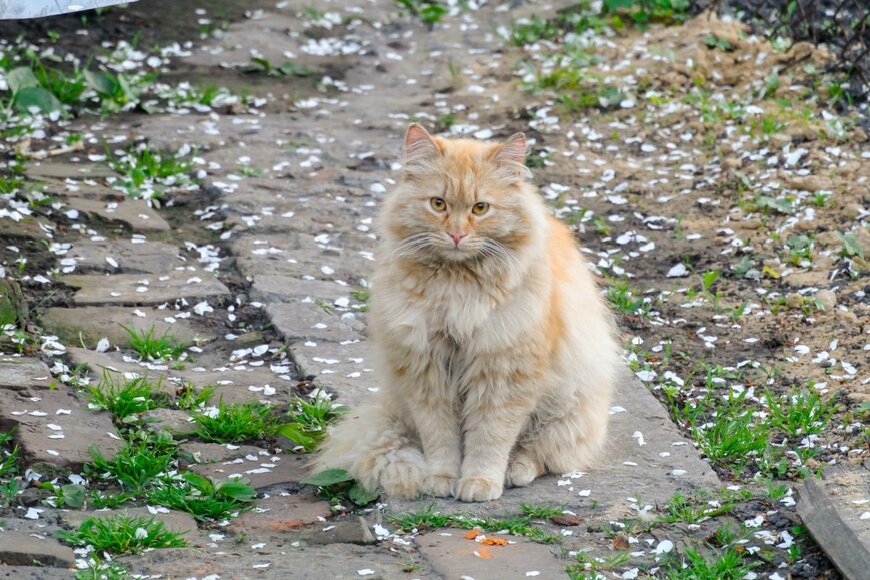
(420, 149)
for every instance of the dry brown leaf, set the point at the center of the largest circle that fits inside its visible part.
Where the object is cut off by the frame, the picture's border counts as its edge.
(494, 542)
(473, 534)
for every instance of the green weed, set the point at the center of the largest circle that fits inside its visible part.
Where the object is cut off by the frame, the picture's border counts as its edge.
(626, 301)
(799, 414)
(146, 172)
(202, 497)
(728, 565)
(125, 397)
(427, 11)
(338, 486)
(123, 535)
(309, 419)
(146, 345)
(136, 465)
(236, 423)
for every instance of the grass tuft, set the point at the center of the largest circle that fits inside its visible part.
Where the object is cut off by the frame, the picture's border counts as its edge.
(124, 398)
(123, 535)
(153, 347)
(236, 423)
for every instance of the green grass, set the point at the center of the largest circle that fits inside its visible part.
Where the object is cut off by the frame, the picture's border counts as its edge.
(97, 569)
(146, 345)
(798, 414)
(123, 398)
(520, 525)
(427, 11)
(309, 419)
(237, 422)
(145, 172)
(627, 301)
(8, 459)
(123, 535)
(587, 563)
(683, 509)
(136, 465)
(728, 565)
(202, 497)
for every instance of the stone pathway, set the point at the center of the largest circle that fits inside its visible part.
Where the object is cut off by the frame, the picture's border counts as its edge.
(292, 248)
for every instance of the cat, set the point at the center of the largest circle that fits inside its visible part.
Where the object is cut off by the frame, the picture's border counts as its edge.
(495, 351)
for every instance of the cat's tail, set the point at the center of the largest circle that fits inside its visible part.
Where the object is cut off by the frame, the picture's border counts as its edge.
(377, 450)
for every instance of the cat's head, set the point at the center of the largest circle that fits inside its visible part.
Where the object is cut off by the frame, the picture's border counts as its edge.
(460, 199)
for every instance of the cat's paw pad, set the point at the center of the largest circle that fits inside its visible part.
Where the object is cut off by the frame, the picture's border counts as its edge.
(478, 489)
(521, 472)
(404, 475)
(440, 485)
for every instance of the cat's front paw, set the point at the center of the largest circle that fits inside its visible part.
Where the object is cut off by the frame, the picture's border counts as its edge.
(478, 489)
(440, 485)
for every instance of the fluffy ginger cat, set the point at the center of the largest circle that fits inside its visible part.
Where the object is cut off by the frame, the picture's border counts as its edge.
(495, 352)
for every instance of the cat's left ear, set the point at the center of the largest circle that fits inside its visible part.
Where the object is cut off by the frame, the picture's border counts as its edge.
(513, 150)
(509, 157)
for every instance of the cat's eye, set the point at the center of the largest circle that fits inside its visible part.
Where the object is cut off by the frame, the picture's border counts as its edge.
(480, 208)
(438, 204)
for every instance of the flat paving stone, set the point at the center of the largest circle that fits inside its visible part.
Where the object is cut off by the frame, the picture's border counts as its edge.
(452, 555)
(133, 289)
(55, 427)
(134, 213)
(125, 257)
(261, 471)
(276, 559)
(194, 452)
(310, 322)
(24, 373)
(65, 169)
(344, 369)
(92, 323)
(281, 513)
(629, 472)
(269, 289)
(35, 573)
(233, 384)
(19, 548)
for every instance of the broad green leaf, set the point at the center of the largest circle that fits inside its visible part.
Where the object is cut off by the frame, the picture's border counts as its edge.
(29, 97)
(293, 432)
(361, 496)
(199, 482)
(73, 495)
(21, 77)
(290, 68)
(327, 478)
(237, 490)
(850, 244)
(101, 82)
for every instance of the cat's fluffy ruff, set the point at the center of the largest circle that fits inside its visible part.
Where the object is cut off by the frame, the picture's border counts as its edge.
(496, 354)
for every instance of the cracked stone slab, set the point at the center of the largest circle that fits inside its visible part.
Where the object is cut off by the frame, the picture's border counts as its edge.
(280, 514)
(144, 289)
(134, 213)
(277, 559)
(651, 473)
(296, 256)
(55, 427)
(125, 256)
(452, 555)
(24, 548)
(233, 384)
(91, 323)
(310, 322)
(24, 373)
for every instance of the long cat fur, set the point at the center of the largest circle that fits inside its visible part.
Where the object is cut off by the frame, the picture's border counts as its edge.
(496, 354)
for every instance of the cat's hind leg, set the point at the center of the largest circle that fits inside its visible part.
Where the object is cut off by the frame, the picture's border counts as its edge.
(561, 444)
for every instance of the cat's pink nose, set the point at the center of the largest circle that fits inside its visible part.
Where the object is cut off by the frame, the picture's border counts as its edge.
(456, 238)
